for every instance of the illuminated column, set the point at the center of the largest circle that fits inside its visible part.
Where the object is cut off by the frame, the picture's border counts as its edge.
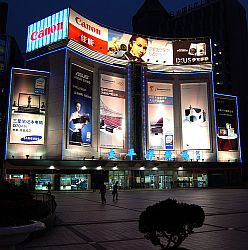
(137, 109)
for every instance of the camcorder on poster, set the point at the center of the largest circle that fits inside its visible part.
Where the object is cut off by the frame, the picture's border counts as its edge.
(80, 108)
(195, 116)
(226, 123)
(28, 108)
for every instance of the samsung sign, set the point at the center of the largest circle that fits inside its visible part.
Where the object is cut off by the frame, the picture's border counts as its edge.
(48, 30)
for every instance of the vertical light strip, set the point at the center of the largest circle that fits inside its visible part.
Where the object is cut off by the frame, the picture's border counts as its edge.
(144, 108)
(64, 132)
(129, 106)
(237, 108)
(8, 116)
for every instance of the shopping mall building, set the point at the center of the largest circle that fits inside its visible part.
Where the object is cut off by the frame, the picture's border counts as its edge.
(94, 104)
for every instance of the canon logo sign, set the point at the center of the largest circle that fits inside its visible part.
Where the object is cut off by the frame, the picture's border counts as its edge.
(47, 31)
(87, 26)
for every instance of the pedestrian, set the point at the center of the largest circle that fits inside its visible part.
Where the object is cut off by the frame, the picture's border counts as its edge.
(115, 191)
(103, 192)
(49, 186)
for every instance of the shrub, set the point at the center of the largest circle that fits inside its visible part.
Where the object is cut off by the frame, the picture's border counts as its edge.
(168, 223)
(18, 206)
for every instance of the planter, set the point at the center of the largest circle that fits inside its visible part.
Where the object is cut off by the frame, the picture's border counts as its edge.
(11, 236)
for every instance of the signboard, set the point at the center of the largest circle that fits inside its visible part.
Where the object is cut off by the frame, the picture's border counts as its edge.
(69, 24)
(226, 123)
(112, 111)
(28, 109)
(48, 30)
(191, 52)
(160, 116)
(195, 116)
(80, 106)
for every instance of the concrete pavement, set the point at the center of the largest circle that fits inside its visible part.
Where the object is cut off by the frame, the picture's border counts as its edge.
(82, 222)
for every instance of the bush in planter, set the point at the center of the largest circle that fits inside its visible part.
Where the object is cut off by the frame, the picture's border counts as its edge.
(18, 206)
(167, 223)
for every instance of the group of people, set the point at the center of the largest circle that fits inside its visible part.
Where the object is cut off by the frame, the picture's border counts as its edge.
(103, 190)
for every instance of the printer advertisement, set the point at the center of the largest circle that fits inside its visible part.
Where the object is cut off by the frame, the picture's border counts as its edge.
(112, 111)
(28, 109)
(195, 116)
(80, 109)
(160, 116)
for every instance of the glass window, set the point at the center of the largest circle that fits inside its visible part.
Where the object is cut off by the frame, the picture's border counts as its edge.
(41, 181)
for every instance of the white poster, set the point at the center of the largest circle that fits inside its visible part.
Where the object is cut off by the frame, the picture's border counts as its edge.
(160, 116)
(112, 112)
(195, 116)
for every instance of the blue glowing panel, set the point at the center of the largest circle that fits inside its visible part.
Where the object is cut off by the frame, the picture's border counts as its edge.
(48, 30)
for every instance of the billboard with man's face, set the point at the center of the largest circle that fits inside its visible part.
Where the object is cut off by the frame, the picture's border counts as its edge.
(123, 46)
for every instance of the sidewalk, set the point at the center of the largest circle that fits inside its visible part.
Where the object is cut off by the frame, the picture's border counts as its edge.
(84, 223)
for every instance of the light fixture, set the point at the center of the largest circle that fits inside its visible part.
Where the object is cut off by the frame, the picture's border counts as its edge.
(154, 168)
(142, 168)
(180, 168)
(51, 167)
(27, 156)
(115, 168)
(83, 167)
(99, 168)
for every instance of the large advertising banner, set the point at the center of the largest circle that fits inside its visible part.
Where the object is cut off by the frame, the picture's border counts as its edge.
(160, 116)
(195, 116)
(112, 111)
(28, 109)
(226, 123)
(80, 106)
(191, 52)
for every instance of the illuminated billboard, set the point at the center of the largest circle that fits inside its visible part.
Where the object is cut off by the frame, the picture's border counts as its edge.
(80, 106)
(28, 109)
(226, 123)
(112, 111)
(48, 30)
(69, 24)
(160, 116)
(195, 116)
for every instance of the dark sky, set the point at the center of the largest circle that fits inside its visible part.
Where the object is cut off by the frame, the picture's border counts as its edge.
(112, 13)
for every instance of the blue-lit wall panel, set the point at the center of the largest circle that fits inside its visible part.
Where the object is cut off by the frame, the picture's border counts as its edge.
(48, 30)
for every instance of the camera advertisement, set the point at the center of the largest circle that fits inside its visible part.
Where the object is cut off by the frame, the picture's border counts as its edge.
(160, 116)
(191, 52)
(112, 112)
(195, 116)
(226, 123)
(28, 109)
(80, 108)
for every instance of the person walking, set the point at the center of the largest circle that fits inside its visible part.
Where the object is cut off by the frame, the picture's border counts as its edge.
(49, 186)
(103, 193)
(115, 191)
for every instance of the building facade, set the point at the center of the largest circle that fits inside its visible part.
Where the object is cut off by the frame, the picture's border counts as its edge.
(98, 105)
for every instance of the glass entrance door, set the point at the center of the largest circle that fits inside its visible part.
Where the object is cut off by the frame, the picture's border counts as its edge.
(164, 182)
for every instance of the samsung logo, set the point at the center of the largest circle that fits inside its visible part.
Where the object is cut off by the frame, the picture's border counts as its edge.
(31, 138)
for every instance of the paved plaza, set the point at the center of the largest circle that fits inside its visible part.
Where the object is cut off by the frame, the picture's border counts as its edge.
(82, 222)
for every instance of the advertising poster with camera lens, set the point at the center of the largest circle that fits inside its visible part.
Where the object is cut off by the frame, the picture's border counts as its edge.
(28, 109)
(226, 123)
(195, 116)
(112, 111)
(80, 106)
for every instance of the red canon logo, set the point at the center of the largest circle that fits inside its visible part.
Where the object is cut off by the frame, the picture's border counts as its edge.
(87, 26)
(47, 31)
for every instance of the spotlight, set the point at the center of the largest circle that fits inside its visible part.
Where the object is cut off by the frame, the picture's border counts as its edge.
(99, 168)
(27, 156)
(154, 168)
(83, 167)
(180, 168)
(115, 167)
(142, 168)
(52, 167)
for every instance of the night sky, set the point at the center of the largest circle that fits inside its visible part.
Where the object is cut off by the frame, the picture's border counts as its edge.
(112, 13)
